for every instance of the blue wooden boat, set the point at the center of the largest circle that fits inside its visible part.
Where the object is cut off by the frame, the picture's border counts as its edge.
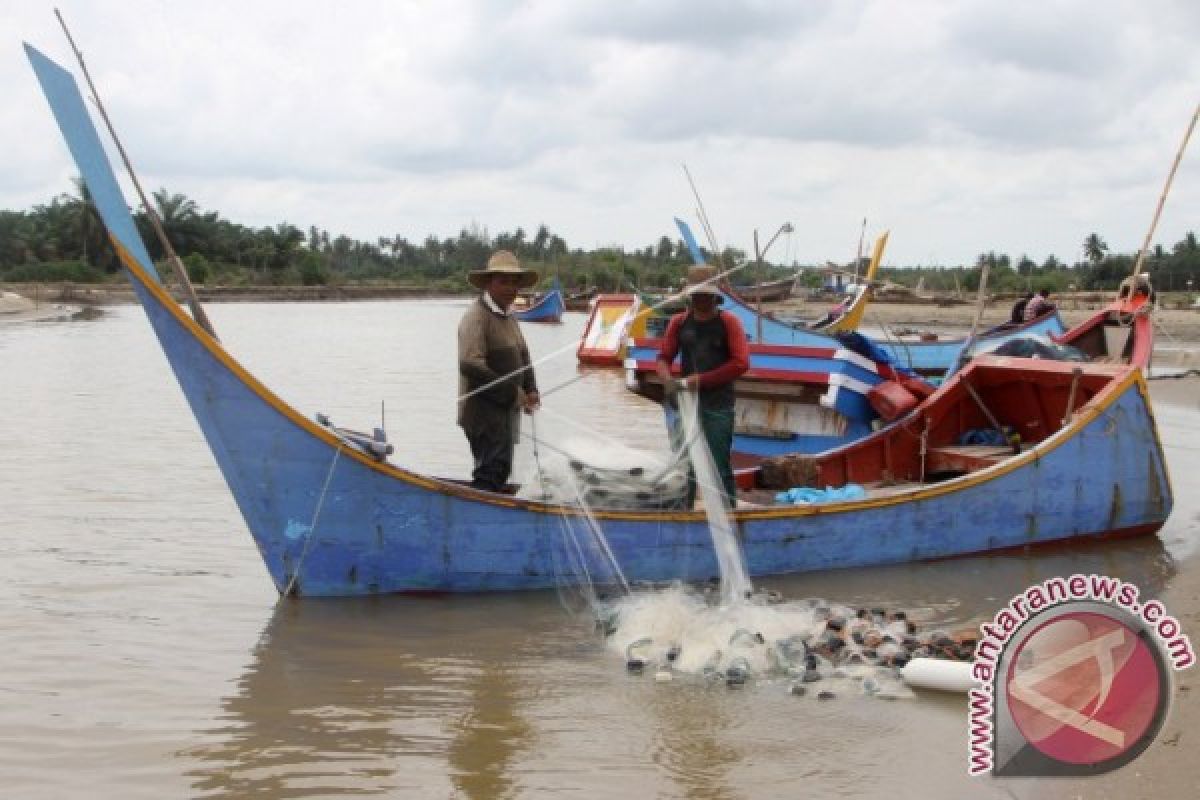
(550, 307)
(928, 358)
(331, 518)
(931, 359)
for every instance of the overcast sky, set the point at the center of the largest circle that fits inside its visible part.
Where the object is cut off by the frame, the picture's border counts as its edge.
(962, 126)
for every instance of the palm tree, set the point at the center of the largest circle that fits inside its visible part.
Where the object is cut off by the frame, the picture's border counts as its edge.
(88, 227)
(1094, 248)
(178, 216)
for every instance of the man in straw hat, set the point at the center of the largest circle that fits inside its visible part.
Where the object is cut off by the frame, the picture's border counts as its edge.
(713, 352)
(495, 374)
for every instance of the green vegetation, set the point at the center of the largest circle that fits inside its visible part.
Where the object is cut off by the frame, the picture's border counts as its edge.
(1177, 270)
(64, 240)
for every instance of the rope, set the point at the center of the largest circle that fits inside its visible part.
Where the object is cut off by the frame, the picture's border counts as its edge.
(1187, 373)
(312, 528)
(537, 461)
(572, 346)
(1158, 323)
(896, 342)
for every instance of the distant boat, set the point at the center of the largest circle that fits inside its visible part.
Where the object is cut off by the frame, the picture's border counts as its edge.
(770, 292)
(548, 307)
(603, 340)
(930, 359)
(330, 516)
(581, 301)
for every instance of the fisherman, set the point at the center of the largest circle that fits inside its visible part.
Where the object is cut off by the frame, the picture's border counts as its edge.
(495, 374)
(1018, 309)
(714, 352)
(1038, 304)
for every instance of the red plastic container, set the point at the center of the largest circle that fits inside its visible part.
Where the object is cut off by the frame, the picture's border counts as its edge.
(917, 386)
(891, 400)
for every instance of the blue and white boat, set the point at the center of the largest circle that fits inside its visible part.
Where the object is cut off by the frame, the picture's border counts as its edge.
(791, 399)
(549, 307)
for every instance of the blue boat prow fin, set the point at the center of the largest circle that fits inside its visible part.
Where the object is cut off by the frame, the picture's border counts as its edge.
(690, 241)
(69, 110)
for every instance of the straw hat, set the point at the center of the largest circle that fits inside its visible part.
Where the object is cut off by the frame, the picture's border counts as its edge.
(702, 280)
(502, 262)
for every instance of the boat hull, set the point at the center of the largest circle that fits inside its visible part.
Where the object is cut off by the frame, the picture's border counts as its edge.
(548, 308)
(329, 519)
(603, 341)
(927, 358)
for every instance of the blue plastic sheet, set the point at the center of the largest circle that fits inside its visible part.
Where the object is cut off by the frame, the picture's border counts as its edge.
(988, 436)
(803, 495)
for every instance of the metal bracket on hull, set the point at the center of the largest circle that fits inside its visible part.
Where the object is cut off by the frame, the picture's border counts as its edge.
(374, 444)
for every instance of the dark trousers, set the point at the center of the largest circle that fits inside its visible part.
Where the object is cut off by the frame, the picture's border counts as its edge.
(716, 425)
(492, 448)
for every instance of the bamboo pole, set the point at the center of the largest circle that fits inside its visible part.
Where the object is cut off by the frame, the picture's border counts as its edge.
(1076, 374)
(980, 300)
(180, 271)
(1162, 199)
(761, 269)
(703, 215)
(858, 256)
(964, 354)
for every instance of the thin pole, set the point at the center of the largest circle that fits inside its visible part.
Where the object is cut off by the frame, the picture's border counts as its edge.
(964, 354)
(761, 269)
(700, 212)
(1137, 264)
(858, 258)
(982, 407)
(1076, 374)
(180, 271)
(981, 300)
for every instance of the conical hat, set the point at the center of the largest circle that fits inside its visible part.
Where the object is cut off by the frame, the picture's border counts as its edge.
(502, 262)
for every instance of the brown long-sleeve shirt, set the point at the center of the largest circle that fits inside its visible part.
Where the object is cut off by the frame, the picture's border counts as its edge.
(490, 347)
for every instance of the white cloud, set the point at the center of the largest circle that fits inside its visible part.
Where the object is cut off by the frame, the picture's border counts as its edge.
(964, 127)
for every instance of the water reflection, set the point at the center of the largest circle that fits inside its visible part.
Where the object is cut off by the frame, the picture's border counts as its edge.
(692, 745)
(447, 696)
(372, 697)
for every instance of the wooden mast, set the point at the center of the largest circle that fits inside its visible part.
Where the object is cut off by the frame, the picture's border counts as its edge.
(1162, 199)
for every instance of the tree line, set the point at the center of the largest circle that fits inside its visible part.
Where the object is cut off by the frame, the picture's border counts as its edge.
(64, 240)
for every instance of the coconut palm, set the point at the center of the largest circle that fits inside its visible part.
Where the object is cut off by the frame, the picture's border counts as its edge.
(1094, 248)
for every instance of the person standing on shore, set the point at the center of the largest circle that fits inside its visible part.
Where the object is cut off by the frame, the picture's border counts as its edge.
(495, 373)
(713, 352)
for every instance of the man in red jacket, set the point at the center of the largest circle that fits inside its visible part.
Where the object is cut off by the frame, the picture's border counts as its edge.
(713, 353)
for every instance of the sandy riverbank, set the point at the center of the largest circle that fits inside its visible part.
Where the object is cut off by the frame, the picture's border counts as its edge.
(17, 308)
(1180, 324)
(121, 293)
(1175, 325)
